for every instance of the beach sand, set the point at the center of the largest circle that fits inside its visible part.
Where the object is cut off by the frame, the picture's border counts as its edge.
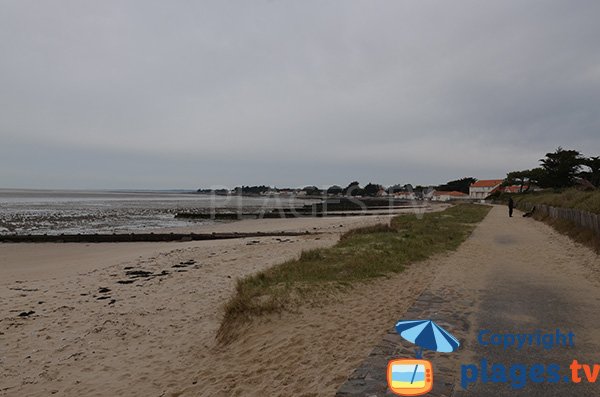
(42, 261)
(84, 333)
(68, 327)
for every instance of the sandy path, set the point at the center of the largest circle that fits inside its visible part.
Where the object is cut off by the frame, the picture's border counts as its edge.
(512, 275)
(532, 278)
(519, 275)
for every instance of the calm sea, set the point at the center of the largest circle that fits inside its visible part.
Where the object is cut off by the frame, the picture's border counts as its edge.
(62, 211)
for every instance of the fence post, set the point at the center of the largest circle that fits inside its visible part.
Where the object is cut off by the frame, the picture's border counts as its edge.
(584, 219)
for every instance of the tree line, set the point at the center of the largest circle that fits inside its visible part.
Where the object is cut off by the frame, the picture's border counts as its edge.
(559, 169)
(352, 189)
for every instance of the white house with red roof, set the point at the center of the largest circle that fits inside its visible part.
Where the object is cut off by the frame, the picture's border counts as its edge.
(447, 196)
(513, 189)
(483, 188)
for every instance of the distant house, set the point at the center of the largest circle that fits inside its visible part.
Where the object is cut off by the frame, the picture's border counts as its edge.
(517, 188)
(405, 195)
(513, 189)
(427, 194)
(447, 196)
(482, 189)
(382, 193)
(285, 192)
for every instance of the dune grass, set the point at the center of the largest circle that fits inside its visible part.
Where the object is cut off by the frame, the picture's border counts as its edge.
(361, 255)
(567, 198)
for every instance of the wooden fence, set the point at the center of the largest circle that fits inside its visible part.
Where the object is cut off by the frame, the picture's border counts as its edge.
(581, 218)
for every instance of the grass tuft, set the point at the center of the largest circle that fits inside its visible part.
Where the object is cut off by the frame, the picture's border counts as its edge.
(566, 198)
(362, 254)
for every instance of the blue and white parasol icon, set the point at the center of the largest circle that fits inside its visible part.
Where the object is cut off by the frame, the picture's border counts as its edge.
(427, 335)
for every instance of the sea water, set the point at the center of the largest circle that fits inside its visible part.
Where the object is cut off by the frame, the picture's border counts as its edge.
(70, 211)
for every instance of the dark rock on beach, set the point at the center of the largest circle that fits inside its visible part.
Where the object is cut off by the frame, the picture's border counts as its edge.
(185, 264)
(138, 273)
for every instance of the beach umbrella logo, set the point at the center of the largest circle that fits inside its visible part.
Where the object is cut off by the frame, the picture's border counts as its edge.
(427, 335)
(414, 377)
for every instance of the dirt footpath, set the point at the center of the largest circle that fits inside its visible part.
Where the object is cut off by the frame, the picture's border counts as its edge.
(533, 279)
(512, 276)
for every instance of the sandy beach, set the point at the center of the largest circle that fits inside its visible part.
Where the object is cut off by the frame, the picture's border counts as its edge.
(75, 321)
(244, 198)
(140, 319)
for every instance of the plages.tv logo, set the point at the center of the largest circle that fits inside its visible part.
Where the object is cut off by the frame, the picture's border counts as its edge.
(414, 377)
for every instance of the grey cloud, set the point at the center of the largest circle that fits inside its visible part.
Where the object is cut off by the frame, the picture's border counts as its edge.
(290, 93)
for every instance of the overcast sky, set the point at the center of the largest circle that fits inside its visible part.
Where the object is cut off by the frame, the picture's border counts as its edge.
(182, 94)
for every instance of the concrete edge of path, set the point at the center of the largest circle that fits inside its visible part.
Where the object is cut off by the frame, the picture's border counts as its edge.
(369, 379)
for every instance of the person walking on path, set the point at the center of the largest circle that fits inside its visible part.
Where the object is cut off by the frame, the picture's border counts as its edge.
(511, 205)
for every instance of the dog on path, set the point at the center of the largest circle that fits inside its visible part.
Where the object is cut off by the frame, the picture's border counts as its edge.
(529, 214)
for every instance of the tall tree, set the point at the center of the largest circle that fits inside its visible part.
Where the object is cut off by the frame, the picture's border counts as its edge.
(525, 178)
(335, 189)
(371, 189)
(353, 189)
(395, 188)
(561, 167)
(312, 190)
(459, 185)
(536, 176)
(516, 178)
(593, 175)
